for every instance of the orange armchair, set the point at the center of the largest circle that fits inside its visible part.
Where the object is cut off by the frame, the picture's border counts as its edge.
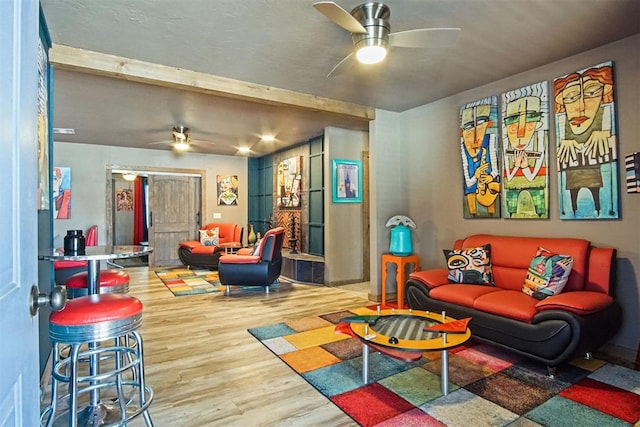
(193, 253)
(261, 268)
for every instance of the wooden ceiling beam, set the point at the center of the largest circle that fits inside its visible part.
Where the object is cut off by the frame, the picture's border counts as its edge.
(86, 61)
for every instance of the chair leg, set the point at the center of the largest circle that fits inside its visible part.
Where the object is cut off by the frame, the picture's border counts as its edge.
(228, 290)
(266, 289)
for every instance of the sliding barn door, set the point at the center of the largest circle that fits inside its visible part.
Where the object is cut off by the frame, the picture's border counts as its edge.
(174, 206)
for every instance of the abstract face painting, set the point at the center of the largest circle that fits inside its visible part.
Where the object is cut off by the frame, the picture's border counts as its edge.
(525, 136)
(479, 151)
(587, 154)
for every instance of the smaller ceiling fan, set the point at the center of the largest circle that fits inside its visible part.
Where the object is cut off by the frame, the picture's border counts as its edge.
(369, 26)
(181, 139)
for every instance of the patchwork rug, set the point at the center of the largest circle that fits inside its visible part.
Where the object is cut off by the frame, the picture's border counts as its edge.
(487, 386)
(182, 281)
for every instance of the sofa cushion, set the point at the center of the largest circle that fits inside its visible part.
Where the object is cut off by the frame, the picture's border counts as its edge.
(460, 294)
(515, 252)
(547, 274)
(209, 237)
(470, 265)
(578, 302)
(507, 303)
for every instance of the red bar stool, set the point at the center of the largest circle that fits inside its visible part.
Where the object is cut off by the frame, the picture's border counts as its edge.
(111, 282)
(100, 328)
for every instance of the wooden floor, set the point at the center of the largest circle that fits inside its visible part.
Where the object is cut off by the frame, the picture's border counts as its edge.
(207, 370)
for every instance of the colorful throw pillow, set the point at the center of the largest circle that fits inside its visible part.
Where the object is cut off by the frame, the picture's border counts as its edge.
(547, 274)
(210, 237)
(470, 266)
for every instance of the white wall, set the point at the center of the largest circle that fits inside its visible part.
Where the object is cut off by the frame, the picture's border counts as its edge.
(89, 163)
(433, 195)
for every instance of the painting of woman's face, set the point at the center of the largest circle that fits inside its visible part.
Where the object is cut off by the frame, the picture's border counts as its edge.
(582, 99)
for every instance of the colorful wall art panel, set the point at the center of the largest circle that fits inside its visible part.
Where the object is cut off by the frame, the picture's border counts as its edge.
(289, 183)
(61, 193)
(587, 156)
(227, 188)
(124, 199)
(525, 155)
(632, 172)
(480, 150)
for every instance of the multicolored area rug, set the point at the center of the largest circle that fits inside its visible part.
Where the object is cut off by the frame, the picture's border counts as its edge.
(182, 281)
(487, 386)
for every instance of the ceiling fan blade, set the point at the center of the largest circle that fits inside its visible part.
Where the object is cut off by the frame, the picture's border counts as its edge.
(340, 16)
(343, 66)
(425, 37)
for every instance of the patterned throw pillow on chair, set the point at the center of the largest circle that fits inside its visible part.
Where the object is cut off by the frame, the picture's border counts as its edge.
(210, 237)
(470, 266)
(547, 274)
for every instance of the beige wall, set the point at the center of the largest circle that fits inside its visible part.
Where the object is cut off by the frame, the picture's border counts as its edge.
(432, 197)
(343, 244)
(89, 163)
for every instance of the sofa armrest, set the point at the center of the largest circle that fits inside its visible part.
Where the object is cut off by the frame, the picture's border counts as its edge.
(578, 302)
(431, 278)
(239, 259)
(191, 244)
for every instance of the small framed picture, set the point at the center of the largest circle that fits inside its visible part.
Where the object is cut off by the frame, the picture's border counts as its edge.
(347, 181)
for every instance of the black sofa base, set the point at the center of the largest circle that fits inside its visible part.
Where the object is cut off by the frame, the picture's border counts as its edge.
(209, 261)
(553, 338)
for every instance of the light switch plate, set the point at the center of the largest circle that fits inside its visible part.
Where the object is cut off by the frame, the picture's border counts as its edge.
(217, 215)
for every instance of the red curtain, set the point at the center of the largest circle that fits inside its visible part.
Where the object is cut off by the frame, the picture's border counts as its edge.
(138, 211)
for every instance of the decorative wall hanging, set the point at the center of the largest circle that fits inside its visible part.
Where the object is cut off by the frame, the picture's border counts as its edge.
(480, 150)
(227, 187)
(124, 199)
(347, 181)
(289, 183)
(587, 157)
(43, 128)
(525, 155)
(632, 172)
(61, 193)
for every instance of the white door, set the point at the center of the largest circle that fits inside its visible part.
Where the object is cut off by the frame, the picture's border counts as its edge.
(19, 384)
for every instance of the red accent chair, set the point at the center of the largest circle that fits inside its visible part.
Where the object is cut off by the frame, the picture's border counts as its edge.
(192, 253)
(261, 268)
(63, 270)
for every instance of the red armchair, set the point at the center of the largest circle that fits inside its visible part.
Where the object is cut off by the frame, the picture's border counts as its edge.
(193, 253)
(261, 268)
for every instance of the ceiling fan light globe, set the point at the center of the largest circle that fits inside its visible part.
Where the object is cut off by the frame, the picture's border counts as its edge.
(371, 54)
(181, 146)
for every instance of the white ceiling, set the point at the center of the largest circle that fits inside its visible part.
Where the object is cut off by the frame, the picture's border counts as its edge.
(287, 44)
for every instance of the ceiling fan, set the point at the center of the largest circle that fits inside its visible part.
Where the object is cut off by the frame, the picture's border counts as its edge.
(181, 139)
(369, 26)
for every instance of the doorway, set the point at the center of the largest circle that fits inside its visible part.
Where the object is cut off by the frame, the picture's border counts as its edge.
(173, 210)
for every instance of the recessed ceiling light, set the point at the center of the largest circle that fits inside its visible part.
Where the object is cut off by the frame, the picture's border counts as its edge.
(244, 150)
(268, 138)
(64, 131)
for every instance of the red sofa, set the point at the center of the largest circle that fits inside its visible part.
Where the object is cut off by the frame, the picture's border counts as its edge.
(553, 330)
(192, 253)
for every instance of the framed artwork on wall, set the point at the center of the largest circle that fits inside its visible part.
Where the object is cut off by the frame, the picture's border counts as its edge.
(587, 149)
(227, 189)
(525, 154)
(632, 172)
(289, 183)
(347, 181)
(479, 148)
(61, 193)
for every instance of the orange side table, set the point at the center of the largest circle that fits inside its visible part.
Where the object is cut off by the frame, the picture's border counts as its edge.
(401, 262)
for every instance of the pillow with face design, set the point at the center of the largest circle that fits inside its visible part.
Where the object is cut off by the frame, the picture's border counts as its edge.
(470, 266)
